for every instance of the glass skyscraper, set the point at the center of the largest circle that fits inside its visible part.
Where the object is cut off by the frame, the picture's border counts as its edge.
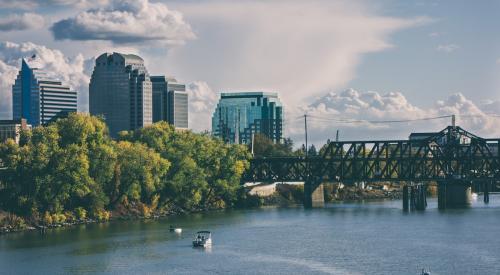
(170, 101)
(39, 98)
(240, 115)
(121, 91)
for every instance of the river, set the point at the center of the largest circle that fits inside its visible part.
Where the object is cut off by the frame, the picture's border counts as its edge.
(343, 238)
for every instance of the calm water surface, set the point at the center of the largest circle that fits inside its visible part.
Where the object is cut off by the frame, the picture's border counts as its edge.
(349, 238)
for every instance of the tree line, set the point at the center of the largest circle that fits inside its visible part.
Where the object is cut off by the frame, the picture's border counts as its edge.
(72, 169)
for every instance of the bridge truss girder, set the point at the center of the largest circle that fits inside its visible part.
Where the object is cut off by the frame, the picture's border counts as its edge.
(439, 157)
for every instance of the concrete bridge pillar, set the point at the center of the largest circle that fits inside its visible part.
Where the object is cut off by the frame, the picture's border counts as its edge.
(314, 195)
(486, 192)
(454, 194)
(405, 198)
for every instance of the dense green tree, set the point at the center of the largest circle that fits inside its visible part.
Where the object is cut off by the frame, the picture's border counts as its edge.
(140, 171)
(205, 172)
(265, 147)
(72, 167)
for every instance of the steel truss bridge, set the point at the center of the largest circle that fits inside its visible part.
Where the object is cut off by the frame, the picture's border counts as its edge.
(452, 153)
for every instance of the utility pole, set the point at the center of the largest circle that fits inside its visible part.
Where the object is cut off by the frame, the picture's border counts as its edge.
(253, 140)
(337, 136)
(453, 121)
(305, 127)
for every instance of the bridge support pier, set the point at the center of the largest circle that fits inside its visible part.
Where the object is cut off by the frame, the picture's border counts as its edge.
(418, 197)
(486, 192)
(314, 195)
(454, 194)
(421, 197)
(405, 198)
(413, 203)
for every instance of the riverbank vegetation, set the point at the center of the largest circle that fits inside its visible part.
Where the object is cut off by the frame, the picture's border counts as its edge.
(72, 171)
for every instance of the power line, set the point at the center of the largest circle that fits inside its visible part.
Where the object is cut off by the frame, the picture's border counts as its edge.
(345, 120)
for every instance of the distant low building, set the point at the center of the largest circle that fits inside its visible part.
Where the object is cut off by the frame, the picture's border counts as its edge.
(240, 115)
(11, 129)
(422, 136)
(39, 97)
(170, 101)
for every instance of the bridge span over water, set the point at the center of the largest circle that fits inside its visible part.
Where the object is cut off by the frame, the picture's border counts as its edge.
(454, 158)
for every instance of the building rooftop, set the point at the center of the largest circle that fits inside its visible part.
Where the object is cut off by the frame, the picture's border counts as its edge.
(131, 56)
(10, 121)
(162, 78)
(247, 94)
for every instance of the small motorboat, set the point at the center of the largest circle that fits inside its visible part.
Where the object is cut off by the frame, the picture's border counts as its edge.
(474, 196)
(202, 239)
(175, 229)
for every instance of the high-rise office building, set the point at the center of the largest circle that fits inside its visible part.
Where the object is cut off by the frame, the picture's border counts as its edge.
(38, 97)
(240, 115)
(170, 101)
(121, 91)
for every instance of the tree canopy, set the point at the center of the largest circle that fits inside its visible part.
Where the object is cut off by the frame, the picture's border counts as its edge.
(73, 166)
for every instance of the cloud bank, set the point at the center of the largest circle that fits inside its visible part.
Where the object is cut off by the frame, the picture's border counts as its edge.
(298, 48)
(202, 101)
(326, 115)
(32, 4)
(20, 22)
(73, 71)
(126, 22)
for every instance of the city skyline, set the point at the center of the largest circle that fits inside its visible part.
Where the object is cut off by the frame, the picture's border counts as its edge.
(388, 47)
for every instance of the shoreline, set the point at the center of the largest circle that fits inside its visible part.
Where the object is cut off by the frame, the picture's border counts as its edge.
(277, 200)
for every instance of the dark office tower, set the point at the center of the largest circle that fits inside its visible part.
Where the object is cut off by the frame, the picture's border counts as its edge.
(38, 97)
(170, 101)
(240, 115)
(121, 91)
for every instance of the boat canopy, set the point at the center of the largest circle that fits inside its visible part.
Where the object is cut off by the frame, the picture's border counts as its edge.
(203, 232)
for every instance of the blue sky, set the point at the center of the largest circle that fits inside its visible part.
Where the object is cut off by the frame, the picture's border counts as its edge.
(425, 74)
(403, 59)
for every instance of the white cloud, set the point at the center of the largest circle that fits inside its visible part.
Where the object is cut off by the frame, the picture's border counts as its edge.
(7, 76)
(32, 4)
(434, 34)
(73, 71)
(19, 22)
(298, 48)
(331, 111)
(126, 22)
(447, 48)
(202, 101)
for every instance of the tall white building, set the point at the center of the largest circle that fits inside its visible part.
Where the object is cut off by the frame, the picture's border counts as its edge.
(121, 91)
(39, 98)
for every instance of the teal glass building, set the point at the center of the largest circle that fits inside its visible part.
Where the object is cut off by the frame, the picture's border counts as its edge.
(240, 115)
(39, 98)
